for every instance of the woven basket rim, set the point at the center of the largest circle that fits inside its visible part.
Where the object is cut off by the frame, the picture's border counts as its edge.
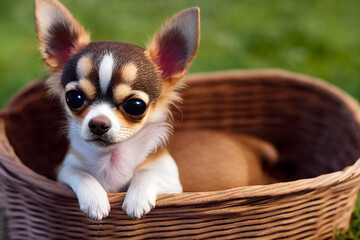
(14, 165)
(280, 74)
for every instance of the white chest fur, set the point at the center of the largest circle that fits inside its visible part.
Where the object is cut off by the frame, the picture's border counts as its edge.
(113, 168)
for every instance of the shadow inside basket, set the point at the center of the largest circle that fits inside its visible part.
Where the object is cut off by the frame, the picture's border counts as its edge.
(313, 125)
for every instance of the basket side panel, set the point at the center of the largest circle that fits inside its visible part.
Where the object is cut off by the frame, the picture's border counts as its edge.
(35, 214)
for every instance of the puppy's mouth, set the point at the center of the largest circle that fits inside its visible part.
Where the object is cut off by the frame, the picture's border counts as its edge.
(101, 142)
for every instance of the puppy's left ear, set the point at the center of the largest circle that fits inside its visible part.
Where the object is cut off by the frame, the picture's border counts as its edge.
(174, 47)
(58, 32)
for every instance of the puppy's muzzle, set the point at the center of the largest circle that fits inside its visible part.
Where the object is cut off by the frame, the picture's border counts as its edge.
(99, 125)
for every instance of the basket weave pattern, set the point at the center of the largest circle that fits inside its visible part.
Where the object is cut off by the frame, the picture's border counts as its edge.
(314, 125)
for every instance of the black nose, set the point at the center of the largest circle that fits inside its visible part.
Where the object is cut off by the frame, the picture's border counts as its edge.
(99, 125)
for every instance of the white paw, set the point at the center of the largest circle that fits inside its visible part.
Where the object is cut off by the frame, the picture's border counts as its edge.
(94, 202)
(138, 202)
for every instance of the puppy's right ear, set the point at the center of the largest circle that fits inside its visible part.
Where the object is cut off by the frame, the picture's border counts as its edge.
(59, 34)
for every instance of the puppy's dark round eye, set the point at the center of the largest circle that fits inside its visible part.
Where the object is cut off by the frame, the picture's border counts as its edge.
(74, 99)
(134, 106)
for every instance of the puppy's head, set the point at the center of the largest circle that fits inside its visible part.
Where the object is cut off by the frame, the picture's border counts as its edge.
(112, 89)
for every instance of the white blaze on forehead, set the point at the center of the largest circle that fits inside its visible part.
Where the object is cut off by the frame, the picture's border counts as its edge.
(129, 72)
(83, 67)
(105, 72)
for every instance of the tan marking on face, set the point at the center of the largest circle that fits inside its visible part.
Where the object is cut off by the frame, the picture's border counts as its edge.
(158, 111)
(84, 67)
(121, 92)
(127, 123)
(88, 88)
(79, 117)
(129, 72)
(168, 97)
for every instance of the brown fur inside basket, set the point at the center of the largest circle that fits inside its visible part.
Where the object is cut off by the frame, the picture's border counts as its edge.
(313, 127)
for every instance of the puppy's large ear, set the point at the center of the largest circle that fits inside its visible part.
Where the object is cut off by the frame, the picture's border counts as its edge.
(58, 33)
(174, 47)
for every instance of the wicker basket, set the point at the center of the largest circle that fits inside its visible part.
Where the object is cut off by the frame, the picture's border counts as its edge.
(314, 125)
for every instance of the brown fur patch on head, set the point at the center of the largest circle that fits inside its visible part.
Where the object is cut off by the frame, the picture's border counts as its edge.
(88, 88)
(131, 67)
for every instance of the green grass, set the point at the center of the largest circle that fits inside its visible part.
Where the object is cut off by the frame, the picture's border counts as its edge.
(354, 232)
(319, 38)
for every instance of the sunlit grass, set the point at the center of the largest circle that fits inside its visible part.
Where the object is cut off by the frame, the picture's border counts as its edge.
(354, 231)
(319, 38)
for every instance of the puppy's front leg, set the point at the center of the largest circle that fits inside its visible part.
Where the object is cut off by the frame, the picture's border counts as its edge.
(91, 195)
(157, 174)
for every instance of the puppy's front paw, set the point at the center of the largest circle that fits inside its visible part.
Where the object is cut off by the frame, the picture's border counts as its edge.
(138, 202)
(94, 202)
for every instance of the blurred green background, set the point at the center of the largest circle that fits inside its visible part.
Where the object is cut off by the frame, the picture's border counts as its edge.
(319, 38)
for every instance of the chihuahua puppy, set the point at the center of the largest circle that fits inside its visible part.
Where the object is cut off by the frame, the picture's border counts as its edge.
(117, 98)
